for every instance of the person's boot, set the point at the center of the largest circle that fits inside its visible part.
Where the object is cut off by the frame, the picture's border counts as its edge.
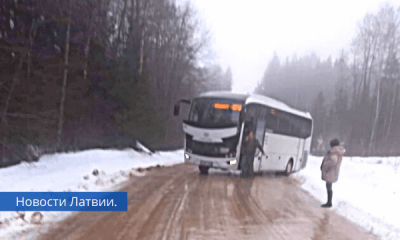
(329, 203)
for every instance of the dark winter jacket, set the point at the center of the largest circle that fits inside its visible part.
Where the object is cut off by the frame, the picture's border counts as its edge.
(331, 164)
(249, 147)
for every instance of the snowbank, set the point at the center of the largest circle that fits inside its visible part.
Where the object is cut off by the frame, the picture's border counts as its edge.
(91, 170)
(367, 193)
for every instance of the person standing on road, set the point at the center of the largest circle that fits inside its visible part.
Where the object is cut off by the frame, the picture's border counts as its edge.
(330, 168)
(248, 151)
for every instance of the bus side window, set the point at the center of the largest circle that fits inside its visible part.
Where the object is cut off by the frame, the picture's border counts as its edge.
(307, 126)
(301, 127)
(272, 122)
(296, 126)
(283, 123)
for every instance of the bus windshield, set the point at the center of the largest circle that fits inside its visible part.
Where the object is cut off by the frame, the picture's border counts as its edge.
(215, 113)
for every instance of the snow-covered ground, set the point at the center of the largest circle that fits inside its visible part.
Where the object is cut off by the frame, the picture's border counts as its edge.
(367, 192)
(72, 172)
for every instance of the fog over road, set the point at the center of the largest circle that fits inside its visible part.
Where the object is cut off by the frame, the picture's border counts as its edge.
(178, 203)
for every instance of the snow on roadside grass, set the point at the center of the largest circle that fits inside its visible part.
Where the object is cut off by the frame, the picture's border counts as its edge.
(367, 192)
(73, 172)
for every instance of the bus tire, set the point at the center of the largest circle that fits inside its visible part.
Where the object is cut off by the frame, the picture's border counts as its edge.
(289, 168)
(203, 170)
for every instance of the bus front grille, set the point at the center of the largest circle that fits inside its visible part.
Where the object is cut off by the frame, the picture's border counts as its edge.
(210, 149)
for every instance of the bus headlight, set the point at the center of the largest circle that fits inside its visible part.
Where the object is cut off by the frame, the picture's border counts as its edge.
(187, 157)
(232, 162)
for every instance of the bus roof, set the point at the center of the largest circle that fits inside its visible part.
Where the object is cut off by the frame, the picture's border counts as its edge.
(224, 94)
(256, 98)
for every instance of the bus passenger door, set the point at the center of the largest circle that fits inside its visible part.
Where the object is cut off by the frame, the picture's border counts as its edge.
(256, 116)
(266, 160)
(269, 162)
(259, 135)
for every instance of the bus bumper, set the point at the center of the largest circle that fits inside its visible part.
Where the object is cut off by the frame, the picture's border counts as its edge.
(222, 163)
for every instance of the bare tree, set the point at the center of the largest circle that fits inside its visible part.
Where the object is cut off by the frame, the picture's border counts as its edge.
(10, 93)
(64, 84)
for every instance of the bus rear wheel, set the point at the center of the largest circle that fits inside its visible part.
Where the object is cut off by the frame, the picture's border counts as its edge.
(288, 169)
(203, 170)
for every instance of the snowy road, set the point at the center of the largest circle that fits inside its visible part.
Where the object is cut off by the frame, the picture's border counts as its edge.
(178, 203)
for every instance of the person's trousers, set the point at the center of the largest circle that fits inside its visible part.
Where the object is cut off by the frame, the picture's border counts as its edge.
(329, 191)
(247, 165)
(328, 186)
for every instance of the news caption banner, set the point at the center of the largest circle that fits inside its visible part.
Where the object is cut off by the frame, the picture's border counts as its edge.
(64, 201)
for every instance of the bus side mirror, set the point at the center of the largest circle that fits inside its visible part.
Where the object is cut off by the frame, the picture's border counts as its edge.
(176, 109)
(177, 106)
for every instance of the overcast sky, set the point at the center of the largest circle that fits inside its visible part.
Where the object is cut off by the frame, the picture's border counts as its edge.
(246, 33)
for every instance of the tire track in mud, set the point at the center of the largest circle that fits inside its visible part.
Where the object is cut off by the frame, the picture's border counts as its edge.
(144, 193)
(178, 203)
(209, 209)
(169, 231)
(167, 207)
(157, 203)
(268, 210)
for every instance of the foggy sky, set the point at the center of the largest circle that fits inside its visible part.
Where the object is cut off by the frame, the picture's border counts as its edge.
(245, 34)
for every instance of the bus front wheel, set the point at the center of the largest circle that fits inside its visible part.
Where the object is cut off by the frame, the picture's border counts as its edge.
(203, 169)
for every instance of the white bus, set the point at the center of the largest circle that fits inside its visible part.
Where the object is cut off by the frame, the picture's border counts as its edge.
(215, 126)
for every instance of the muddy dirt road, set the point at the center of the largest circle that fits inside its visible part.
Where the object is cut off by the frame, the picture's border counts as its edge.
(178, 203)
